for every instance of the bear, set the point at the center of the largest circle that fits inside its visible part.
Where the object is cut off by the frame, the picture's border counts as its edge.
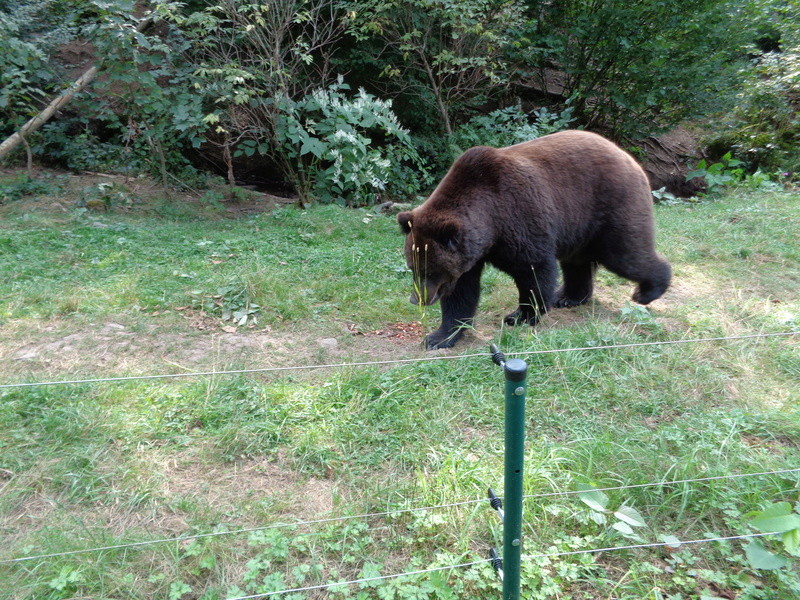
(571, 198)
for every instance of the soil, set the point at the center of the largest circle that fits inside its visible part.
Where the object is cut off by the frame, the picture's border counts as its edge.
(667, 160)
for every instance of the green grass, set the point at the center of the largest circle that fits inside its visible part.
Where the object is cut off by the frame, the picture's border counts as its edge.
(86, 466)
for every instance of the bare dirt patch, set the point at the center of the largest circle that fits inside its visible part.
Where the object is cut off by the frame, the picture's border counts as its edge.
(230, 487)
(397, 332)
(186, 342)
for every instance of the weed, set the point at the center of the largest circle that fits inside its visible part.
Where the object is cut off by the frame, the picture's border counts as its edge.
(21, 186)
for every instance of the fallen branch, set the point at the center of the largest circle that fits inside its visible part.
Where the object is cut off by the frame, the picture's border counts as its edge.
(43, 117)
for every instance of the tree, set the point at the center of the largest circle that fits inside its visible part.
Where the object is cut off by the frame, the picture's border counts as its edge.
(636, 66)
(451, 51)
(250, 60)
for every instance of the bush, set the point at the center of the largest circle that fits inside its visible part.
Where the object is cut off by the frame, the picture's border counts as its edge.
(340, 149)
(634, 68)
(764, 128)
(508, 126)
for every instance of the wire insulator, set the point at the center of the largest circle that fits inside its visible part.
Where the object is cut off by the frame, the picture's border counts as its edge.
(495, 502)
(498, 357)
(496, 562)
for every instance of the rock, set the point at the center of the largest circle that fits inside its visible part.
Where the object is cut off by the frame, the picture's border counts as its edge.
(668, 158)
(328, 343)
(393, 207)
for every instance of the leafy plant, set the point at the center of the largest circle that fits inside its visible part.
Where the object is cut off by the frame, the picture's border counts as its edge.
(21, 186)
(623, 519)
(237, 87)
(662, 196)
(446, 53)
(640, 315)
(231, 303)
(717, 175)
(104, 195)
(508, 126)
(29, 31)
(779, 518)
(632, 68)
(327, 139)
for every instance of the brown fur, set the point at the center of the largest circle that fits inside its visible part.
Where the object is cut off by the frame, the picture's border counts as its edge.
(572, 198)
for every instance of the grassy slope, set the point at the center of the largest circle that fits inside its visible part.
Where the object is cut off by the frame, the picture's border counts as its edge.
(90, 465)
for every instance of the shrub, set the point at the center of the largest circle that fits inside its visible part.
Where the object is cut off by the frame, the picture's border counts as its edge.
(508, 126)
(339, 149)
(764, 128)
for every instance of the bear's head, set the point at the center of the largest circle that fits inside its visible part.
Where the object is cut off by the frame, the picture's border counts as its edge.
(434, 252)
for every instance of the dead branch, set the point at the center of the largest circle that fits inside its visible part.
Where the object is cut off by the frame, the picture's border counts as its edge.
(43, 117)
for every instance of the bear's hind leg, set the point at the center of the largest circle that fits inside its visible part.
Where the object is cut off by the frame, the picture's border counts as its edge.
(655, 284)
(458, 310)
(578, 284)
(652, 274)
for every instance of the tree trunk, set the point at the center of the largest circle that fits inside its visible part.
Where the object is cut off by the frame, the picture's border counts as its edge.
(16, 139)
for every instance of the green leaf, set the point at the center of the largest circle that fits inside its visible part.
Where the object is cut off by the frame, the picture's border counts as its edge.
(623, 528)
(671, 541)
(778, 518)
(598, 517)
(314, 146)
(761, 558)
(208, 562)
(791, 542)
(594, 499)
(178, 589)
(630, 516)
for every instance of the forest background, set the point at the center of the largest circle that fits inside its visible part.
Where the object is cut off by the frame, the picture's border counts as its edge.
(355, 101)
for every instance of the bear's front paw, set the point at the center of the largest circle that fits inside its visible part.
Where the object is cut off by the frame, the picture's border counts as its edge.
(441, 339)
(564, 301)
(522, 316)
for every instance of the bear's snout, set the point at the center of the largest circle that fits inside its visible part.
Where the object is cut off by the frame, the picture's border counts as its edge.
(416, 301)
(431, 294)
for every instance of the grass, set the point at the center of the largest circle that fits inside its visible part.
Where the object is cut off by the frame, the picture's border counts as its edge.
(86, 294)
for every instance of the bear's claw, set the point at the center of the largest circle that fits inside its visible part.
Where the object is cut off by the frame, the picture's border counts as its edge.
(521, 317)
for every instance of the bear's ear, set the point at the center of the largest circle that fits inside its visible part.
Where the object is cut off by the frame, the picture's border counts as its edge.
(404, 218)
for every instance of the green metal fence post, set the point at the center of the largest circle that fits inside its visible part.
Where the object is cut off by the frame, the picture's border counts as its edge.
(516, 371)
(510, 511)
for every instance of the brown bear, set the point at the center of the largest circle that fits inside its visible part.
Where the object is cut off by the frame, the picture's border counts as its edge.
(572, 198)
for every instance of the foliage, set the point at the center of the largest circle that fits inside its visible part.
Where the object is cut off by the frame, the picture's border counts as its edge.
(764, 128)
(779, 518)
(623, 519)
(631, 68)
(730, 171)
(231, 303)
(223, 82)
(449, 52)
(662, 196)
(129, 119)
(104, 196)
(252, 59)
(29, 31)
(325, 137)
(506, 127)
(23, 185)
(720, 174)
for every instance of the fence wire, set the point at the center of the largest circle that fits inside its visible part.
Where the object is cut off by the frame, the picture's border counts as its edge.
(373, 515)
(672, 544)
(418, 509)
(384, 362)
